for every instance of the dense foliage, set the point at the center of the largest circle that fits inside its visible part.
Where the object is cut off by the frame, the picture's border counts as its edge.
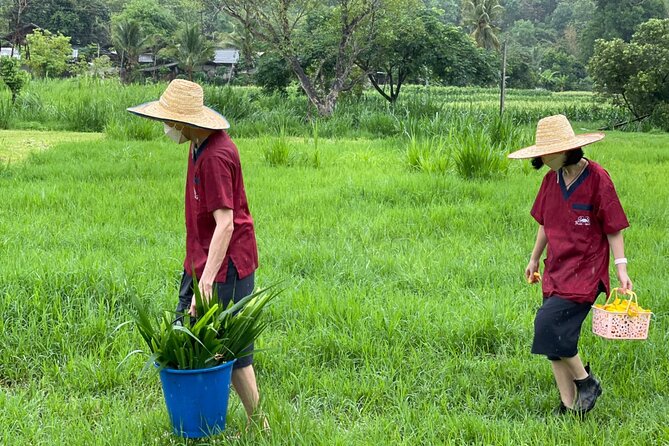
(636, 74)
(549, 41)
(12, 76)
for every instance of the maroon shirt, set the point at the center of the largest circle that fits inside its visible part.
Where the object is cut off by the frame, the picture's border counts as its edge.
(214, 181)
(577, 221)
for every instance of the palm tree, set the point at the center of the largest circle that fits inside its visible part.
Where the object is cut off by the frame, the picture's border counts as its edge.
(129, 43)
(479, 15)
(192, 49)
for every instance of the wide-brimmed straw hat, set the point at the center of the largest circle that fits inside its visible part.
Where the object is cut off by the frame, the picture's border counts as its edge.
(183, 102)
(555, 135)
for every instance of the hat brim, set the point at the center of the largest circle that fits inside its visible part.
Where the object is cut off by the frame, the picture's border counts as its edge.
(573, 143)
(209, 119)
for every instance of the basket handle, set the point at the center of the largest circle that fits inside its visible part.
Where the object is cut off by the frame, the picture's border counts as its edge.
(618, 291)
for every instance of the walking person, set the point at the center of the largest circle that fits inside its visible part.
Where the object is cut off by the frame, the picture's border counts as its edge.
(580, 219)
(221, 250)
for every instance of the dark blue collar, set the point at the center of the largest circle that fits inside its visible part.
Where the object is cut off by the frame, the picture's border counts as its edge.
(566, 193)
(198, 152)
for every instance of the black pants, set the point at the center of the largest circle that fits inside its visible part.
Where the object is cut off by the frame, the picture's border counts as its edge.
(233, 288)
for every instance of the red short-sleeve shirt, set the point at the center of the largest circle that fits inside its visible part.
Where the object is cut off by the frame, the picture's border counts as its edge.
(215, 181)
(577, 221)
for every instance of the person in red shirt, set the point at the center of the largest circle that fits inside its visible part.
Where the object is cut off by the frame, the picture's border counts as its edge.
(221, 248)
(580, 218)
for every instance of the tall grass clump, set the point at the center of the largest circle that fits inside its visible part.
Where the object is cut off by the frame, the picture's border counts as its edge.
(87, 115)
(129, 127)
(503, 131)
(278, 151)
(6, 112)
(477, 156)
(428, 154)
(233, 103)
(316, 159)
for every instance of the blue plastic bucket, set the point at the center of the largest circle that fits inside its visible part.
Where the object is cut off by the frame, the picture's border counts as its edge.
(197, 400)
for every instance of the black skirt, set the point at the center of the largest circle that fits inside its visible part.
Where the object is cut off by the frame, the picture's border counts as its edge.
(557, 327)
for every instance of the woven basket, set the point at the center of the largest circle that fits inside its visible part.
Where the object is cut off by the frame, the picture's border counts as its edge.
(620, 324)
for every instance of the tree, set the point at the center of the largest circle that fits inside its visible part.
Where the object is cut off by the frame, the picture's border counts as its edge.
(325, 73)
(478, 15)
(129, 43)
(618, 19)
(399, 47)
(409, 39)
(572, 13)
(458, 61)
(450, 10)
(85, 21)
(13, 76)
(272, 73)
(635, 74)
(49, 53)
(569, 71)
(17, 10)
(242, 39)
(535, 11)
(192, 49)
(150, 16)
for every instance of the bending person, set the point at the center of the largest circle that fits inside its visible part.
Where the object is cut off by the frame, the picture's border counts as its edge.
(221, 248)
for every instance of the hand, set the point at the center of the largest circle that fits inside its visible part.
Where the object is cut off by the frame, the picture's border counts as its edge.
(623, 278)
(206, 290)
(532, 272)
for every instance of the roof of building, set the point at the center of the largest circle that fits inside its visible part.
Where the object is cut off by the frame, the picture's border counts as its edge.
(226, 56)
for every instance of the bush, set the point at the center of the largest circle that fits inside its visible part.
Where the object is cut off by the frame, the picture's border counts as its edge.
(13, 76)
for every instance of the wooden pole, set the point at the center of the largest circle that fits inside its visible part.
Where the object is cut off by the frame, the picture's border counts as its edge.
(502, 94)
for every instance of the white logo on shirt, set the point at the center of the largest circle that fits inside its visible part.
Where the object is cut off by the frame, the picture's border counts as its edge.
(583, 221)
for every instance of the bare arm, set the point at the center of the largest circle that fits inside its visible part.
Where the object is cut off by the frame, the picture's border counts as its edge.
(217, 250)
(618, 249)
(537, 251)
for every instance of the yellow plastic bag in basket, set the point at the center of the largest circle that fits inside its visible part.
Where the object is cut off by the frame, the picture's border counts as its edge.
(621, 319)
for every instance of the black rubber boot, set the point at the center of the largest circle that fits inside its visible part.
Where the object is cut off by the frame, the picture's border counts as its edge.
(587, 391)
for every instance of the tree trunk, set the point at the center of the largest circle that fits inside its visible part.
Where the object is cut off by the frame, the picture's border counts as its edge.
(155, 63)
(122, 67)
(308, 88)
(378, 88)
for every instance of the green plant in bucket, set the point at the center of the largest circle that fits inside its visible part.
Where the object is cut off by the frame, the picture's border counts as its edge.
(216, 336)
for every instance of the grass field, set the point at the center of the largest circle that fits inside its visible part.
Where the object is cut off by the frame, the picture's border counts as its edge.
(406, 319)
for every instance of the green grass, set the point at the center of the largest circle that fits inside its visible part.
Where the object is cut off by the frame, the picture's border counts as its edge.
(15, 145)
(406, 319)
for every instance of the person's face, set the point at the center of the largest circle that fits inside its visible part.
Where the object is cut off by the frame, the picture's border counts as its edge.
(555, 161)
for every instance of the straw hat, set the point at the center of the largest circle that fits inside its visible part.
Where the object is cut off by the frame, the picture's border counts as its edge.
(183, 102)
(554, 135)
